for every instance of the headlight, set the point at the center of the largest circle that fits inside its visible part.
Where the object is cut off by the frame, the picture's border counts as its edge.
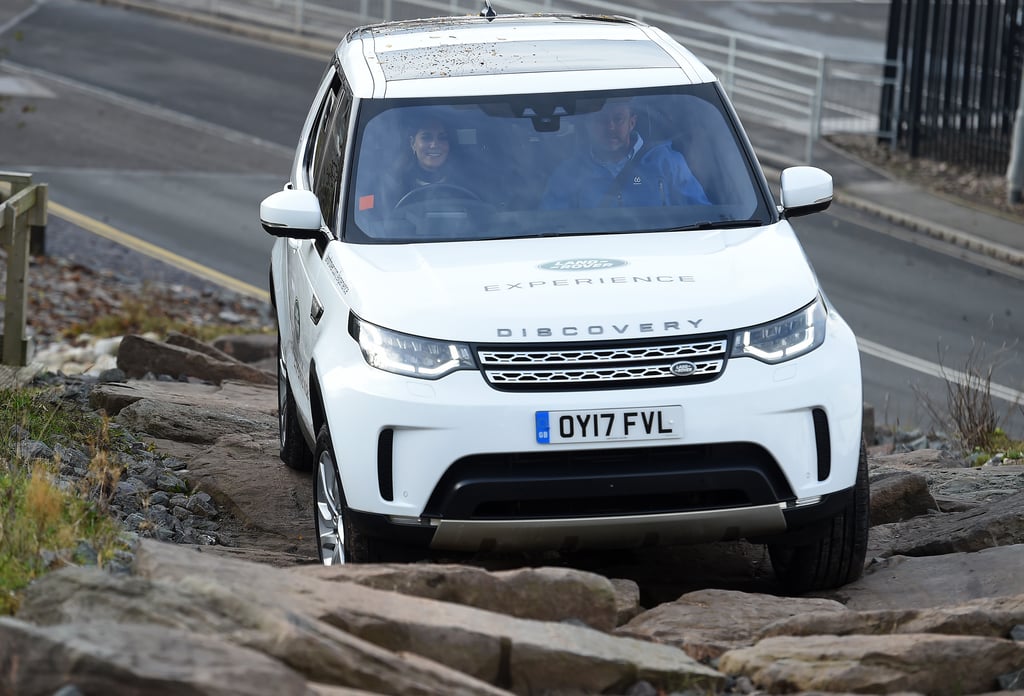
(411, 356)
(783, 339)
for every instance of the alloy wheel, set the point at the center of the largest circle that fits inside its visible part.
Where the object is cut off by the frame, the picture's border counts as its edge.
(329, 525)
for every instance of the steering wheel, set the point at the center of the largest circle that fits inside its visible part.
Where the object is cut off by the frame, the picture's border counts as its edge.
(441, 190)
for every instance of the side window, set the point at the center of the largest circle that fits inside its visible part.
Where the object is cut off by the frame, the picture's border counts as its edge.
(329, 149)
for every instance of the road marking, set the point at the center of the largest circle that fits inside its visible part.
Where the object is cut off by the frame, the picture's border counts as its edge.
(931, 369)
(153, 251)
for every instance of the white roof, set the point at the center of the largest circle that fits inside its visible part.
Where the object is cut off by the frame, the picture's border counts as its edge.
(469, 49)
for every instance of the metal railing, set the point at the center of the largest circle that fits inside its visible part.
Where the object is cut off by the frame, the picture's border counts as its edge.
(22, 208)
(772, 82)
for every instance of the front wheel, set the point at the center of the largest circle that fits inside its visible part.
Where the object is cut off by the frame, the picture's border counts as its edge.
(837, 556)
(338, 538)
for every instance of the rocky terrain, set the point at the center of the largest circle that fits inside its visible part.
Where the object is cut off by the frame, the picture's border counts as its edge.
(220, 595)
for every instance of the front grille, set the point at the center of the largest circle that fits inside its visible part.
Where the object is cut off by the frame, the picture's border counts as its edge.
(604, 365)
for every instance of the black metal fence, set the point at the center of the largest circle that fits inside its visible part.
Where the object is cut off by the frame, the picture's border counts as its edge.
(962, 78)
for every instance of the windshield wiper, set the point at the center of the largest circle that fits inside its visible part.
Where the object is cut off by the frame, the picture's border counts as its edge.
(721, 224)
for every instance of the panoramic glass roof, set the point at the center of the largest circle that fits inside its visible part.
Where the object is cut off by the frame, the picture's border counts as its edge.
(509, 57)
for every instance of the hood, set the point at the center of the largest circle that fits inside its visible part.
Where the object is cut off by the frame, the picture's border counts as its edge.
(579, 288)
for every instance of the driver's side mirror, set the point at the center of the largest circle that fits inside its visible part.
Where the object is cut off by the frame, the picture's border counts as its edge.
(292, 213)
(805, 190)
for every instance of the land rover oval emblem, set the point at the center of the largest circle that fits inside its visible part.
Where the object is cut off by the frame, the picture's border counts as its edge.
(581, 264)
(682, 369)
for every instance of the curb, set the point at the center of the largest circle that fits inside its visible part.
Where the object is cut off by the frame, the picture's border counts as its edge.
(957, 238)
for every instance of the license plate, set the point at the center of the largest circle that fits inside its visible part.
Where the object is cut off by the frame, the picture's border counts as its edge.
(609, 425)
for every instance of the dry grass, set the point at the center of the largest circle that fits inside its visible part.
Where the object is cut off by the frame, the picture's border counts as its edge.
(43, 522)
(969, 409)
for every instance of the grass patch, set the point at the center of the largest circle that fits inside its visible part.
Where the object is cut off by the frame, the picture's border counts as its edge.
(998, 442)
(43, 524)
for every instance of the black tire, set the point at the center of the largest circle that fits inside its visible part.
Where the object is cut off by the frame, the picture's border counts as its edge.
(294, 451)
(339, 539)
(837, 556)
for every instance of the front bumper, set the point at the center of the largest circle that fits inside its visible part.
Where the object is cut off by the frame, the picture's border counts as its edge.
(456, 464)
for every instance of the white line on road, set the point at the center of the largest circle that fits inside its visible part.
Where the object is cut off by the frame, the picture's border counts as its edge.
(931, 369)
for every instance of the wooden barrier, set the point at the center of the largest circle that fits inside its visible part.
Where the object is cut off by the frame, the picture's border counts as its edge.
(23, 208)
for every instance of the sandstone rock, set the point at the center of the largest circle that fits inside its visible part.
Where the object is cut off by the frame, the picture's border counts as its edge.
(249, 348)
(197, 605)
(919, 459)
(900, 496)
(104, 657)
(1001, 523)
(627, 600)
(138, 356)
(526, 656)
(544, 594)
(932, 664)
(272, 504)
(176, 338)
(190, 423)
(227, 396)
(903, 582)
(990, 616)
(708, 623)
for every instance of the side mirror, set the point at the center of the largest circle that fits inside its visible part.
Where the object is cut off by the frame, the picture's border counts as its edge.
(805, 190)
(292, 214)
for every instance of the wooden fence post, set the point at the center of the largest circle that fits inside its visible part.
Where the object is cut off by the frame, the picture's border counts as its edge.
(23, 209)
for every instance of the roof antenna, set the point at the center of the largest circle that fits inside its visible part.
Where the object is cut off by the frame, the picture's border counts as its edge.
(488, 11)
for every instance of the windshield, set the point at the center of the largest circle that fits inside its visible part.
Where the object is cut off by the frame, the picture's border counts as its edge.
(549, 164)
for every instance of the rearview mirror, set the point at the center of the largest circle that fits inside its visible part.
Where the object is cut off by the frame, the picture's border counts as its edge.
(805, 190)
(293, 214)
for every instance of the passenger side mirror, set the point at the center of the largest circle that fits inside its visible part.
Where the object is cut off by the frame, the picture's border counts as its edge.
(293, 214)
(805, 190)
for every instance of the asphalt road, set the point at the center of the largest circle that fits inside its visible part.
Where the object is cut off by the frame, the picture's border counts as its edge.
(172, 134)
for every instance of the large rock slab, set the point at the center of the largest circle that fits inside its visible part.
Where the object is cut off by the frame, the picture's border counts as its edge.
(939, 665)
(708, 623)
(543, 594)
(193, 424)
(900, 496)
(522, 655)
(231, 395)
(903, 582)
(990, 616)
(139, 356)
(249, 348)
(271, 504)
(198, 605)
(999, 523)
(107, 657)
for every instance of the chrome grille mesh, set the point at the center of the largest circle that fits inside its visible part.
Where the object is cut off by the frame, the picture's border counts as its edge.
(610, 366)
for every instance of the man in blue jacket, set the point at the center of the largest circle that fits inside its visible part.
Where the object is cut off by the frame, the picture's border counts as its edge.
(620, 169)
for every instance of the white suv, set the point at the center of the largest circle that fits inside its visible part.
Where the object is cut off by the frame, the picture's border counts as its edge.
(533, 292)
